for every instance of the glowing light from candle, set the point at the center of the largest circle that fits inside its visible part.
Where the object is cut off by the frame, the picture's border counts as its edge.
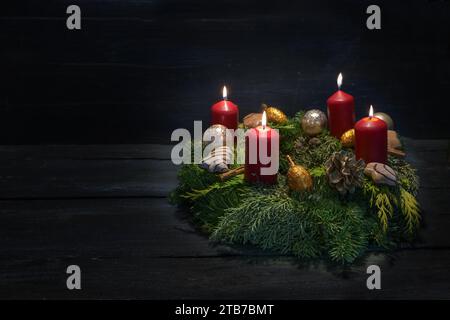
(339, 81)
(371, 112)
(264, 120)
(224, 93)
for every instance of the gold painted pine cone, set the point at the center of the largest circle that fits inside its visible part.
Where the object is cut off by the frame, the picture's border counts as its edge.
(298, 178)
(348, 138)
(274, 115)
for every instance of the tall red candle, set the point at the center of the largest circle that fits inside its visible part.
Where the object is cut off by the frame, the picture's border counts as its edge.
(341, 111)
(261, 135)
(371, 139)
(225, 112)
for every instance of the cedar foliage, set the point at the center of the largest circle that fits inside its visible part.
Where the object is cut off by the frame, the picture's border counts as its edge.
(314, 224)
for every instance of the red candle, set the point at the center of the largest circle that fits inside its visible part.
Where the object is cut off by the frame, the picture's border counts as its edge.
(371, 139)
(225, 112)
(259, 155)
(341, 111)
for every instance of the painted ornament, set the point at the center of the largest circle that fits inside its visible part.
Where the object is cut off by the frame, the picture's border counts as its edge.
(274, 115)
(298, 178)
(217, 160)
(348, 138)
(313, 122)
(215, 132)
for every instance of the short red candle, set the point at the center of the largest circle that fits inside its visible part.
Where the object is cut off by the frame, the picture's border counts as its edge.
(263, 135)
(341, 111)
(225, 113)
(371, 139)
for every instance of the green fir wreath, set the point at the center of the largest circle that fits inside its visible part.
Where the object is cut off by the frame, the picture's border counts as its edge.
(320, 223)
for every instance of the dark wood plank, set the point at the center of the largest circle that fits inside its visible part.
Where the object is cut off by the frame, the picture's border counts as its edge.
(86, 152)
(99, 228)
(53, 178)
(423, 153)
(144, 227)
(139, 246)
(421, 274)
(133, 226)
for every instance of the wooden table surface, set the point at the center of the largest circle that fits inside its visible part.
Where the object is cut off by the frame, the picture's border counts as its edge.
(105, 209)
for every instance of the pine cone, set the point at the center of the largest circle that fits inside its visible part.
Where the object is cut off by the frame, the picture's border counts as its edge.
(299, 143)
(344, 172)
(314, 142)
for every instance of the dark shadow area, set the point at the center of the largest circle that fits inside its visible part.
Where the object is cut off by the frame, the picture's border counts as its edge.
(139, 69)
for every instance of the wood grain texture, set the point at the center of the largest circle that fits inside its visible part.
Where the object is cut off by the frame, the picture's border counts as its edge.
(406, 275)
(105, 208)
(139, 69)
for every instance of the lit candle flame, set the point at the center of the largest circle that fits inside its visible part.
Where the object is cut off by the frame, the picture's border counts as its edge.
(224, 93)
(371, 112)
(339, 81)
(264, 120)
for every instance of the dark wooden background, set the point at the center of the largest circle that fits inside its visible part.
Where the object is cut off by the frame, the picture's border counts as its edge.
(139, 69)
(110, 95)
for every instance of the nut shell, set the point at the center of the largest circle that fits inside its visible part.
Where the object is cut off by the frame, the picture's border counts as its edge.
(252, 120)
(381, 173)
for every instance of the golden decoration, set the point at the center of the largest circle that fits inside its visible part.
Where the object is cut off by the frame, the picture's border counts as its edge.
(348, 138)
(298, 178)
(274, 115)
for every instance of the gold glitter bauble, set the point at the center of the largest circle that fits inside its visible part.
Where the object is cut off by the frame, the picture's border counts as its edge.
(348, 138)
(298, 178)
(275, 115)
(386, 118)
(313, 122)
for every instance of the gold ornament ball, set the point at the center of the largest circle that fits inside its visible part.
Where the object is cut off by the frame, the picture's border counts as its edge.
(298, 178)
(275, 115)
(386, 118)
(313, 122)
(216, 131)
(348, 138)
